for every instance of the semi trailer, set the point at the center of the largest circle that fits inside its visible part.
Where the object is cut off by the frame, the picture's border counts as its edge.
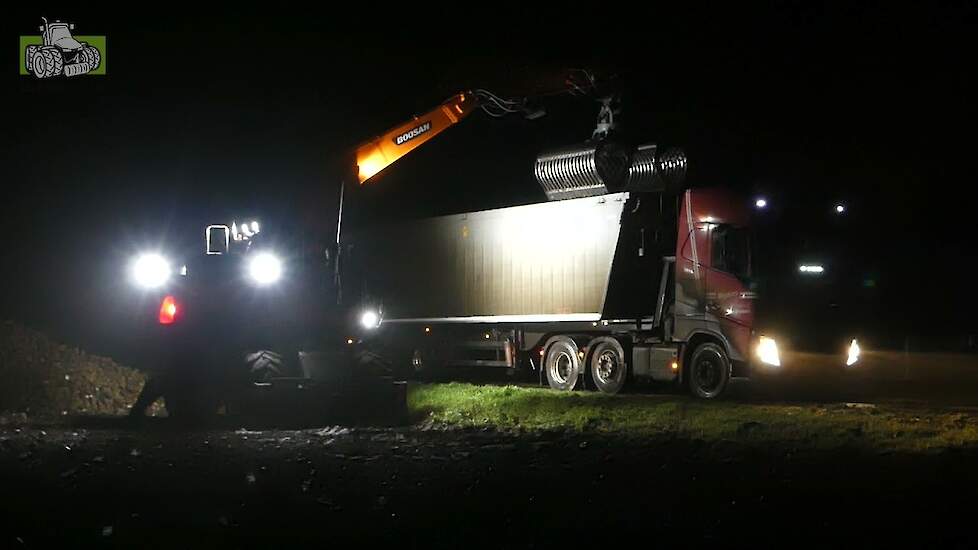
(585, 292)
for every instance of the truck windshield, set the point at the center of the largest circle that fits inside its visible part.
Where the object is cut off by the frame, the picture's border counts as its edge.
(731, 250)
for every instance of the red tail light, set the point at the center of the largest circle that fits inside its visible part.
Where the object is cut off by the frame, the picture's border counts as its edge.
(168, 310)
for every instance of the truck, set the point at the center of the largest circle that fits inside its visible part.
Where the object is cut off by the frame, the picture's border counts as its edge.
(584, 292)
(622, 274)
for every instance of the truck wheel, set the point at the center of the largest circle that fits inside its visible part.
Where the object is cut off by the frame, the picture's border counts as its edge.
(608, 367)
(708, 371)
(562, 364)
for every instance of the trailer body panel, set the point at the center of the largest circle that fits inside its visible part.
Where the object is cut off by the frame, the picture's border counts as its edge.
(543, 262)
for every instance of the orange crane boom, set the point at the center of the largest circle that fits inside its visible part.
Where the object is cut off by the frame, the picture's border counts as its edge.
(379, 153)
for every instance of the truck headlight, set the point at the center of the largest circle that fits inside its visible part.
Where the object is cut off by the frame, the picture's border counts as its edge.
(265, 268)
(767, 351)
(853, 354)
(370, 319)
(150, 270)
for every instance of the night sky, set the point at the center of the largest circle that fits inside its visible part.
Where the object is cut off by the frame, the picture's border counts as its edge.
(203, 116)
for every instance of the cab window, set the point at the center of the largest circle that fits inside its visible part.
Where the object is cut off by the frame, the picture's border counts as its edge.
(731, 250)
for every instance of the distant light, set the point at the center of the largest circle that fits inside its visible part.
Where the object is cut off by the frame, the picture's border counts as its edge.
(675, 365)
(840, 208)
(427, 329)
(760, 203)
(811, 268)
(254, 227)
(183, 271)
(349, 340)
(487, 336)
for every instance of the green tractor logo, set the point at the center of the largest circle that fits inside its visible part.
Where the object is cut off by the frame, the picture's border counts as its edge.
(60, 53)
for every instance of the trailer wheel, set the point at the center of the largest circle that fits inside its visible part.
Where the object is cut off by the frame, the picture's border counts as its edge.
(562, 364)
(708, 371)
(607, 365)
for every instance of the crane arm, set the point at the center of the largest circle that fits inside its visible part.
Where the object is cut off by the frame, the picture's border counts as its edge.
(379, 153)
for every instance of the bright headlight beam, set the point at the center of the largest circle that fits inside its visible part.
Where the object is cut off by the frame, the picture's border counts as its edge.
(853, 355)
(265, 268)
(150, 270)
(767, 351)
(370, 319)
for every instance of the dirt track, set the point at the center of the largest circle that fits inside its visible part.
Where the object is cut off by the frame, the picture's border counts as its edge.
(424, 488)
(101, 482)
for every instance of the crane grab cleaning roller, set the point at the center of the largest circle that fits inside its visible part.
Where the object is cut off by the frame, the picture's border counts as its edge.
(599, 168)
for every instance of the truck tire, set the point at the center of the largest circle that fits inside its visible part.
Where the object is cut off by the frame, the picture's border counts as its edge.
(607, 365)
(562, 364)
(708, 371)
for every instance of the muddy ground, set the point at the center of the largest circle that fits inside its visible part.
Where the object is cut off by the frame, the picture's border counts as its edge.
(102, 483)
(72, 475)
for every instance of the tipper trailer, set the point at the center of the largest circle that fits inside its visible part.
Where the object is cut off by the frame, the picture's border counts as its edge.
(588, 290)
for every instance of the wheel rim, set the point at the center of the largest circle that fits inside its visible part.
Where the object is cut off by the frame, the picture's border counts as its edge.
(709, 373)
(560, 367)
(38, 64)
(607, 368)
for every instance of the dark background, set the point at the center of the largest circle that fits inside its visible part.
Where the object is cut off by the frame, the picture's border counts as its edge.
(203, 116)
